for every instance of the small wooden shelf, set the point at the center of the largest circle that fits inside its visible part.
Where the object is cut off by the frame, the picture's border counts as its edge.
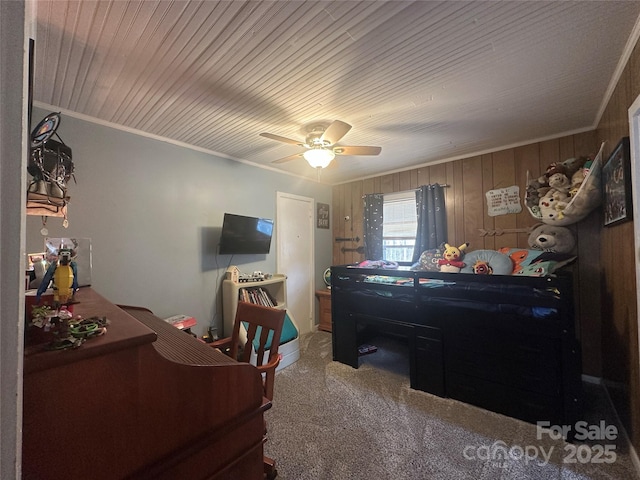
(324, 296)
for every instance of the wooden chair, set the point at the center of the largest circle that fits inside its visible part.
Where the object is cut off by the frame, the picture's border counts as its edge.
(270, 321)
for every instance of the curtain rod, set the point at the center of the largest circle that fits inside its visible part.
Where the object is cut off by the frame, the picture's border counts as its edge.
(443, 185)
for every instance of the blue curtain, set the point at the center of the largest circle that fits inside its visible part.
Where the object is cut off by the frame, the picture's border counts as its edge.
(373, 203)
(432, 219)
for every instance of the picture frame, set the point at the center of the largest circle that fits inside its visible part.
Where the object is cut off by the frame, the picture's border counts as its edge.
(616, 185)
(322, 215)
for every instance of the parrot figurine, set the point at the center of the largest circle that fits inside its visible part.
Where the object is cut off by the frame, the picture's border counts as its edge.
(64, 273)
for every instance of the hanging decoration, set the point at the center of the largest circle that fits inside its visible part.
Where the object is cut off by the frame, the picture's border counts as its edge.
(51, 167)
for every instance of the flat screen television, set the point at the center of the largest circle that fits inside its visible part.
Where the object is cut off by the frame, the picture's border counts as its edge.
(245, 235)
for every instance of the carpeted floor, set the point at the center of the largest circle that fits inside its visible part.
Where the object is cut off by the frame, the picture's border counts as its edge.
(331, 421)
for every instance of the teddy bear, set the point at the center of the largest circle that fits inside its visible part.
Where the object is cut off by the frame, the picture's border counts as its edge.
(560, 182)
(555, 167)
(576, 181)
(452, 258)
(535, 189)
(551, 238)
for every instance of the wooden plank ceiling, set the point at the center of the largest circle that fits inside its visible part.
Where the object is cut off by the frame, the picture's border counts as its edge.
(424, 80)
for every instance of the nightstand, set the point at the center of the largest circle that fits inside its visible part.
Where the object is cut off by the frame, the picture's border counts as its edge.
(325, 309)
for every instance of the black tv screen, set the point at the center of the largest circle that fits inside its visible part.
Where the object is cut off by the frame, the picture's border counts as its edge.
(247, 235)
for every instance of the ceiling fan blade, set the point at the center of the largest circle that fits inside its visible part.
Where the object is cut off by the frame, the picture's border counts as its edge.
(289, 158)
(335, 132)
(357, 150)
(282, 139)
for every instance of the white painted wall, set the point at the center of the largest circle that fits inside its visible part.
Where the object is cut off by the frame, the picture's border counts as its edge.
(154, 212)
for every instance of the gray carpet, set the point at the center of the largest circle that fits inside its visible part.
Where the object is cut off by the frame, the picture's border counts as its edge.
(331, 421)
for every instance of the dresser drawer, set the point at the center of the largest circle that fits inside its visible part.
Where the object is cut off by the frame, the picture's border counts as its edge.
(528, 406)
(530, 376)
(525, 349)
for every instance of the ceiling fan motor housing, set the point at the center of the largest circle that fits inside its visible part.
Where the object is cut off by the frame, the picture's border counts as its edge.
(314, 137)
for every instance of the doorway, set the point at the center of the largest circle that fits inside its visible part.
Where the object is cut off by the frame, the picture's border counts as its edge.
(634, 130)
(295, 258)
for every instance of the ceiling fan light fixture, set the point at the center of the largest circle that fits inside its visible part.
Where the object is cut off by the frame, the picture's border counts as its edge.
(319, 157)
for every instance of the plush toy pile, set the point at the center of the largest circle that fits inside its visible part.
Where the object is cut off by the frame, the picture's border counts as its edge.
(551, 247)
(567, 191)
(549, 194)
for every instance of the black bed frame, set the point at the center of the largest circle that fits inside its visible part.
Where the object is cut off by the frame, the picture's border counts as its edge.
(503, 343)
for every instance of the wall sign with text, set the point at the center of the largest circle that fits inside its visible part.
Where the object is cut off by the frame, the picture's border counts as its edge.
(503, 201)
(322, 215)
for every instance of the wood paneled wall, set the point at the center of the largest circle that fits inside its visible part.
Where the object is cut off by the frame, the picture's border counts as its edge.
(467, 182)
(618, 282)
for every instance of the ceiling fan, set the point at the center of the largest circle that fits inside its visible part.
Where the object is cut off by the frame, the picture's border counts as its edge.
(321, 144)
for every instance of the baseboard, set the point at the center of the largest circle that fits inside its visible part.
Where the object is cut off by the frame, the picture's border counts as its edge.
(632, 451)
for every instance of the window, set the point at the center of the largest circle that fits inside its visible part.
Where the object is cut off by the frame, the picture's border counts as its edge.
(399, 226)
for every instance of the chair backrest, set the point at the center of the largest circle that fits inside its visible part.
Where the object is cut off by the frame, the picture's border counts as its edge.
(264, 328)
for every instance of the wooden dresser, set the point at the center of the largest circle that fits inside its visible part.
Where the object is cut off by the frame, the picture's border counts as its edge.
(324, 296)
(145, 400)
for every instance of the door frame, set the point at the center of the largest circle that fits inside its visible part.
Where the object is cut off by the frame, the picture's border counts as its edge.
(634, 141)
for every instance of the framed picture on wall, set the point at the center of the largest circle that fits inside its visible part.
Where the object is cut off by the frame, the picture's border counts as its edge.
(322, 215)
(616, 185)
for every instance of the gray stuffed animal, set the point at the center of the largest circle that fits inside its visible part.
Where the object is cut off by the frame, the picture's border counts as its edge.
(550, 238)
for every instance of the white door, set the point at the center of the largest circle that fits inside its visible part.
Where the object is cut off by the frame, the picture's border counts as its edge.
(295, 259)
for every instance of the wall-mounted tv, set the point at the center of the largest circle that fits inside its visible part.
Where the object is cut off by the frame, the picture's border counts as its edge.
(245, 235)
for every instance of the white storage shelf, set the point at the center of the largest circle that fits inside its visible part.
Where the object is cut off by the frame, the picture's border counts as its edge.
(276, 286)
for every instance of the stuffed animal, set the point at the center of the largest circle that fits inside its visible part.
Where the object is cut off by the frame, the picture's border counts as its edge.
(555, 167)
(531, 196)
(553, 204)
(534, 270)
(518, 257)
(589, 198)
(481, 267)
(576, 181)
(550, 213)
(560, 182)
(452, 258)
(550, 238)
(535, 190)
(571, 165)
(568, 167)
